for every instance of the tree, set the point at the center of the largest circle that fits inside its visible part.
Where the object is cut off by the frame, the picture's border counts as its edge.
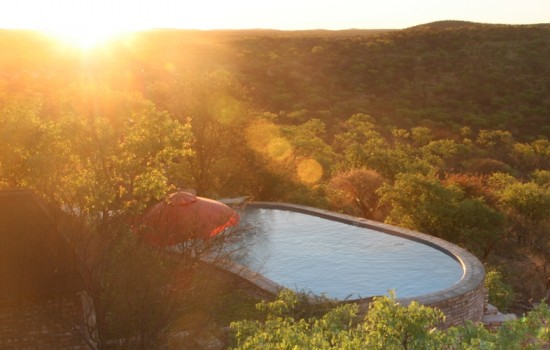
(121, 161)
(445, 154)
(149, 154)
(389, 325)
(308, 145)
(31, 147)
(363, 146)
(541, 178)
(139, 291)
(473, 186)
(423, 203)
(216, 106)
(421, 136)
(534, 155)
(386, 326)
(281, 330)
(527, 205)
(500, 294)
(497, 143)
(100, 172)
(358, 141)
(357, 188)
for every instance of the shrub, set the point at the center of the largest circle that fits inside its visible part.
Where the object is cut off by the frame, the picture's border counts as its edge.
(501, 294)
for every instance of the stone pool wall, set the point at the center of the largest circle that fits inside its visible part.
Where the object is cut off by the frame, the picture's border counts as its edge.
(465, 300)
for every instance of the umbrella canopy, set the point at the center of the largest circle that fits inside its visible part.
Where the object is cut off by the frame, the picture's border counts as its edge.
(184, 216)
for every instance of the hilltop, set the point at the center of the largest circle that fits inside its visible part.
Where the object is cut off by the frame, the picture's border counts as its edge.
(447, 24)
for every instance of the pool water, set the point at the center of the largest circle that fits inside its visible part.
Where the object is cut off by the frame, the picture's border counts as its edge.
(341, 261)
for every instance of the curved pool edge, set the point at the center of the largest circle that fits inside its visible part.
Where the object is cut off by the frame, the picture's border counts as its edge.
(464, 300)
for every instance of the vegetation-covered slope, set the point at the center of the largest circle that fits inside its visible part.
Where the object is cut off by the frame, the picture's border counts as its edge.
(441, 128)
(443, 73)
(483, 76)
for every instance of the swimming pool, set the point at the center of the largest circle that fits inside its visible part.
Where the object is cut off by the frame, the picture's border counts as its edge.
(460, 301)
(326, 257)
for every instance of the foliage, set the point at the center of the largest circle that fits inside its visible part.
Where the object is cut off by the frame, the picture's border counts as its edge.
(387, 325)
(534, 155)
(126, 166)
(139, 290)
(527, 200)
(409, 76)
(357, 188)
(527, 206)
(450, 117)
(143, 293)
(500, 293)
(282, 331)
(424, 204)
(529, 332)
(148, 153)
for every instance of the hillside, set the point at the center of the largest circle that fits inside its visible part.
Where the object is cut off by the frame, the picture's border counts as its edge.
(484, 76)
(443, 75)
(441, 128)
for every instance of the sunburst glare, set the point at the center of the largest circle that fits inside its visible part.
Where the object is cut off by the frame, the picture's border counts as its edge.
(85, 38)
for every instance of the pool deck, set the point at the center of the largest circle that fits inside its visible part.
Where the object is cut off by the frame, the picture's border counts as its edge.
(464, 300)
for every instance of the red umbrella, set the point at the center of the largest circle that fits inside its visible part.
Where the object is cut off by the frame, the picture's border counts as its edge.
(184, 216)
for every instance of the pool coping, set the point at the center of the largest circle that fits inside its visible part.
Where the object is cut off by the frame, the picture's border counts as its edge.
(463, 292)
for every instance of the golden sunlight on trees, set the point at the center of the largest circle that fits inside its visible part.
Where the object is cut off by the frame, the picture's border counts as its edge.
(121, 159)
(444, 131)
(425, 204)
(264, 137)
(309, 171)
(387, 325)
(527, 207)
(356, 190)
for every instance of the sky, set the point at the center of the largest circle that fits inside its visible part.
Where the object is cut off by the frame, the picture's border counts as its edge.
(118, 15)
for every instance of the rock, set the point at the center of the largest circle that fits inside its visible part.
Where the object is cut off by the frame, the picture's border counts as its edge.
(491, 310)
(495, 321)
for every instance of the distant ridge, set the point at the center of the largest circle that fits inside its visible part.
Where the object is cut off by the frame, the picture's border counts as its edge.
(453, 24)
(447, 24)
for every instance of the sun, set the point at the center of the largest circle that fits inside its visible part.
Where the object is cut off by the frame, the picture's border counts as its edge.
(85, 37)
(87, 24)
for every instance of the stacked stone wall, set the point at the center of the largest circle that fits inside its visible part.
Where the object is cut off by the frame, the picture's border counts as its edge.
(459, 308)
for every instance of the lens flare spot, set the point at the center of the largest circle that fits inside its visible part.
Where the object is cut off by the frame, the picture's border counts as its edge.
(279, 148)
(226, 108)
(264, 137)
(309, 171)
(260, 133)
(170, 67)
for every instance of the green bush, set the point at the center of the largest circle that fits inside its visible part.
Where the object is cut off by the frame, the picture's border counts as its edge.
(501, 294)
(387, 326)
